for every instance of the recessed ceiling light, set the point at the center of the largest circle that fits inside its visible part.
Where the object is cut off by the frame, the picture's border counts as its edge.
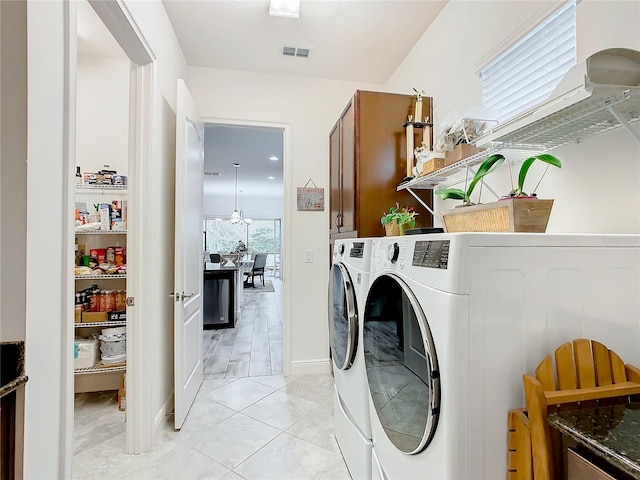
(273, 158)
(271, 178)
(284, 8)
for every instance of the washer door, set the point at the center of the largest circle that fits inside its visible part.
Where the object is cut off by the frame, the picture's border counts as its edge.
(343, 317)
(401, 363)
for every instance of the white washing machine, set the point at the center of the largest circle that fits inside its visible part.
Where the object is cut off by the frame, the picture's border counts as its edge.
(348, 286)
(452, 321)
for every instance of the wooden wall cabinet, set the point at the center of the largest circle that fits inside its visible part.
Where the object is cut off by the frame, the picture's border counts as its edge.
(367, 158)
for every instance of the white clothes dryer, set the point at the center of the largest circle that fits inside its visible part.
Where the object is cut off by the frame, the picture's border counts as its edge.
(348, 286)
(451, 323)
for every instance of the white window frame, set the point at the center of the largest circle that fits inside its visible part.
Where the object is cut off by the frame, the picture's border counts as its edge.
(527, 72)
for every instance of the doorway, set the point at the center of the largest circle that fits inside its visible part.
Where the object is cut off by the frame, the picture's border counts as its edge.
(244, 210)
(111, 69)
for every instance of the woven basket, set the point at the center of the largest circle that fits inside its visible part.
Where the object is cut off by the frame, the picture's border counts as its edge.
(509, 215)
(392, 229)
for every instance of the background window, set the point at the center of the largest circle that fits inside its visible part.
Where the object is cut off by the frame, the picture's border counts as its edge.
(529, 71)
(261, 236)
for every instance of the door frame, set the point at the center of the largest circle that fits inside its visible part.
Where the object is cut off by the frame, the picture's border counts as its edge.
(119, 21)
(287, 215)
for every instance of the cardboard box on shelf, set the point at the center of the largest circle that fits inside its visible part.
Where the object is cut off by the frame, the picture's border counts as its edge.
(91, 317)
(122, 393)
(432, 165)
(460, 151)
(85, 352)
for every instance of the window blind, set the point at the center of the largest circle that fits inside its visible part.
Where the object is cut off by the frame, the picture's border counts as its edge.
(528, 71)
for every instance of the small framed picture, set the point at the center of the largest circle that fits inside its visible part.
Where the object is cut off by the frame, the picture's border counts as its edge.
(310, 199)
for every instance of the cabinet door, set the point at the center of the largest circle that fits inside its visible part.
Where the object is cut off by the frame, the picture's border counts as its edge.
(348, 171)
(334, 176)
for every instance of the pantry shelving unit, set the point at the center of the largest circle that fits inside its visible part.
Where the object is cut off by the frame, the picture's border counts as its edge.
(100, 376)
(544, 129)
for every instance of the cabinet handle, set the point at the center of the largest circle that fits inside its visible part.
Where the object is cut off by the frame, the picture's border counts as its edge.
(339, 220)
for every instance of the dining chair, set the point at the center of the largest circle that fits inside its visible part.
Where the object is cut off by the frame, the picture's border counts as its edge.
(586, 373)
(257, 270)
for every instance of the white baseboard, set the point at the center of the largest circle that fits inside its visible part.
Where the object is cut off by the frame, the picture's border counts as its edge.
(306, 367)
(161, 417)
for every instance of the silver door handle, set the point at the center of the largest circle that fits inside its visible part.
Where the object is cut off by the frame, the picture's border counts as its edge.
(175, 295)
(187, 295)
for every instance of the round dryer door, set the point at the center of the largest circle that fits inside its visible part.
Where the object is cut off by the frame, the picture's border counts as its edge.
(401, 363)
(343, 317)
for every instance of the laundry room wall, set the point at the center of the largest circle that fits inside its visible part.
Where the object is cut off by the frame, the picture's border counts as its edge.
(102, 99)
(596, 189)
(311, 107)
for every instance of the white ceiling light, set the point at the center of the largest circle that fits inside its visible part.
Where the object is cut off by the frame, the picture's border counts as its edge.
(271, 178)
(273, 158)
(284, 8)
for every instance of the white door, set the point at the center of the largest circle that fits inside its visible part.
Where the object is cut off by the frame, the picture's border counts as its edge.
(188, 369)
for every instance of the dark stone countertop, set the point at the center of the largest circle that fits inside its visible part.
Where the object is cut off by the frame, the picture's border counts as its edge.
(11, 367)
(612, 432)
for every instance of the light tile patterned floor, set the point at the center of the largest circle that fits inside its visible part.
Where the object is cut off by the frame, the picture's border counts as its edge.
(242, 425)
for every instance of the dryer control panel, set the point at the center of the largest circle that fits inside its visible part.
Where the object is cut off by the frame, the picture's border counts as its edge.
(357, 250)
(431, 254)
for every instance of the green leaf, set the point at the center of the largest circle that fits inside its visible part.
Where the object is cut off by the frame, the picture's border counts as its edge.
(488, 166)
(526, 165)
(454, 193)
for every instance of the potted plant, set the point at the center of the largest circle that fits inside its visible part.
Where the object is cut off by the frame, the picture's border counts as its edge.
(488, 166)
(397, 220)
(515, 212)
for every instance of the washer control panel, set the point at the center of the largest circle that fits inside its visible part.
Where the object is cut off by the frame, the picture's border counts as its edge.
(431, 254)
(357, 250)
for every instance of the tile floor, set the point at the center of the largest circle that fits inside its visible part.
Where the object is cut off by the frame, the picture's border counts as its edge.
(254, 347)
(240, 427)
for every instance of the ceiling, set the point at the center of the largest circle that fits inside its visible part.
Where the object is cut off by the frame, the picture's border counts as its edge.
(357, 40)
(251, 147)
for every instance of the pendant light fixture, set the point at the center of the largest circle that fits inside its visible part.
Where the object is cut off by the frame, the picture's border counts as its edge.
(235, 216)
(238, 217)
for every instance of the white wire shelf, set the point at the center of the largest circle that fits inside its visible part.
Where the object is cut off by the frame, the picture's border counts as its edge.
(588, 117)
(100, 232)
(119, 323)
(99, 277)
(97, 369)
(98, 188)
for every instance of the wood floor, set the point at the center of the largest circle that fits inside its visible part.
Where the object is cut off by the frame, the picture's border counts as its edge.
(254, 347)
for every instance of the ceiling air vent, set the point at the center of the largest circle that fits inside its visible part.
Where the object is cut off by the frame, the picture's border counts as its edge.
(295, 52)
(212, 174)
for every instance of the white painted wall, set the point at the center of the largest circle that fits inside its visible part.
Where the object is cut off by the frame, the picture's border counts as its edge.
(102, 133)
(13, 170)
(593, 170)
(253, 207)
(45, 406)
(310, 107)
